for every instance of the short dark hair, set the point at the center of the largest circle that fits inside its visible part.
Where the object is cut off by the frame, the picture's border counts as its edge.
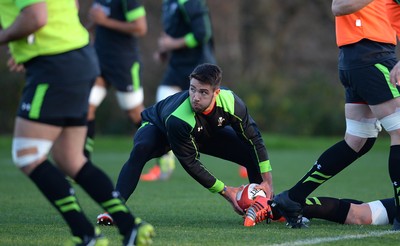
(208, 73)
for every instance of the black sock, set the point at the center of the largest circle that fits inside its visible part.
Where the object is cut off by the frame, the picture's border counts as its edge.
(327, 208)
(394, 172)
(99, 186)
(53, 184)
(89, 144)
(330, 163)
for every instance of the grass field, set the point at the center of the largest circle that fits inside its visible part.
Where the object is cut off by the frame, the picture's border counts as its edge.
(184, 213)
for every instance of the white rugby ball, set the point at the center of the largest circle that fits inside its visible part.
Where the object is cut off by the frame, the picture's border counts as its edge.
(245, 198)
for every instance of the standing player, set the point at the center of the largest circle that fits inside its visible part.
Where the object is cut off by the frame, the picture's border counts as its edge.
(187, 41)
(366, 44)
(60, 69)
(118, 25)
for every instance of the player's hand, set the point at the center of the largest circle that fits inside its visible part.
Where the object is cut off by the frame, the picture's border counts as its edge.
(267, 188)
(15, 67)
(97, 14)
(160, 57)
(395, 75)
(230, 196)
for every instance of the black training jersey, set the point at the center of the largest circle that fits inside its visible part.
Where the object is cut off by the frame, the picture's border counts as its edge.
(113, 44)
(186, 129)
(189, 19)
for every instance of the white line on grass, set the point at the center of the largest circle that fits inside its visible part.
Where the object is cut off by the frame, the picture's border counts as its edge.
(333, 239)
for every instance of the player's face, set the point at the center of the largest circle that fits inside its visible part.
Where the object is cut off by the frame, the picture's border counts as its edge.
(202, 96)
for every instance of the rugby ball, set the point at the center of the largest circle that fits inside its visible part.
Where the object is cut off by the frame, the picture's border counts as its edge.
(245, 197)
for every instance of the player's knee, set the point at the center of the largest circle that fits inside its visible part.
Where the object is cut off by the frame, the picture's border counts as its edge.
(379, 214)
(26, 151)
(130, 100)
(364, 129)
(391, 122)
(164, 91)
(97, 95)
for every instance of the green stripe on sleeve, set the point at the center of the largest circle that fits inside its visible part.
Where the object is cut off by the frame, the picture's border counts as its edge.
(37, 101)
(135, 14)
(190, 40)
(217, 187)
(265, 166)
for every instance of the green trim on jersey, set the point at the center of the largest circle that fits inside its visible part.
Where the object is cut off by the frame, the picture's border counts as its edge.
(190, 40)
(135, 76)
(37, 101)
(385, 71)
(182, 2)
(217, 187)
(226, 101)
(23, 3)
(135, 14)
(265, 166)
(185, 113)
(63, 31)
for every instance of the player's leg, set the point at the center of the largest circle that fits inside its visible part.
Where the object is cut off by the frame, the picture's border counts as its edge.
(327, 208)
(361, 132)
(389, 114)
(39, 124)
(360, 136)
(129, 93)
(68, 155)
(165, 165)
(362, 128)
(97, 95)
(371, 213)
(31, 144)
(149, 142)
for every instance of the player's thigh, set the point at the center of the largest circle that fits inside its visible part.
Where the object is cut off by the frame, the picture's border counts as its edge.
(67, 150)
(386, 108)
(358, 111)
(123, 74)
(359, 214)
(149, 142)
(369, 85)
(33, 129)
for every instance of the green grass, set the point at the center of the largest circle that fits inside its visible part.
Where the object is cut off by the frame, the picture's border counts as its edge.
(184, 213)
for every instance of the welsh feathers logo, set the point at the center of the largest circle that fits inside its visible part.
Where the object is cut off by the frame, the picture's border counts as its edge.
(221, 121)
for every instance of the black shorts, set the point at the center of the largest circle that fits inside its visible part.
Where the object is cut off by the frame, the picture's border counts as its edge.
(178, 76)
(58, 86)
(370, 85)
(122, 73)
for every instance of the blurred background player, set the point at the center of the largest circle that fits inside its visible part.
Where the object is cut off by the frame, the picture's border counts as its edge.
(366, 42)
(118, 25)
(187, 41)
(51, 117)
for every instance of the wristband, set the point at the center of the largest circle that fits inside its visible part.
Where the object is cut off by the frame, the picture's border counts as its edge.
(223, 191)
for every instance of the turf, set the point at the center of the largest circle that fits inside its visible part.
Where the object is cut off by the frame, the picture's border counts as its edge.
(184, 213)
